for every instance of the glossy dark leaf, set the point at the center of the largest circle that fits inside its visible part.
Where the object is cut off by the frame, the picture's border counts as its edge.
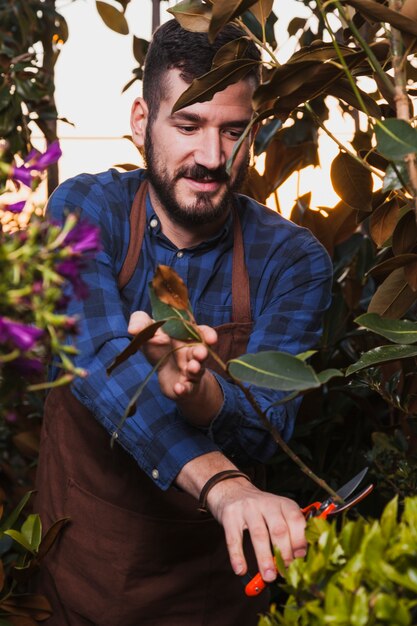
(393, 297)
(204, 88)
(51, 536)
(265, 135)
(343, 90)
(231, 51)
(170, 288)
(383, 221)
(193, 15)
(382, 354)
(112, 17)
(352, 182)
(135, 345)
(410, 273)
(224, 11)
(176, 325)
(378, 12)
(274, 370)
(397, 331)
(395, 138)
(404, 238)
(393, 263)
(296, 24)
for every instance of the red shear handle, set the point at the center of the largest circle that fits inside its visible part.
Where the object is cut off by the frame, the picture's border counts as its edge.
(256, 584)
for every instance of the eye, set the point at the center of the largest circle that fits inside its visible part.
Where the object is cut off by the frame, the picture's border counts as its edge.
(232, 133)
(187, 130)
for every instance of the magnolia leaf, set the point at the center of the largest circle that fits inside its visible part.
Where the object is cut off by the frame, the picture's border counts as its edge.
(224, 11)
(327, 375)
(396, 176)
(342, 90)
(398, 331)
(140, 48)
(14, 515)
(112, 17)
(405, 234)
(262, 9)
(135, 345)
(393, 263)
(265, 135)
(395, 138)
(379, 13)
(306, 355)
(204, 87)
(19, 538)
(255, 120)
(352, 182)
(175, 320)
(296, 24)
(192, 15)
(275, 370)
(51, 536)
(231, 51)
(32, 530)
(410, 273)
(170, 288)
(382, 354)
(383, 221)
(393, 297)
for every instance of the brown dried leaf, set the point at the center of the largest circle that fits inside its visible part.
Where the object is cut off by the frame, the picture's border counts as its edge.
(224, 11)
(192, 15)
(204, 88)
(170, 288)
(393, 297)
(135, 345)
(262, 9)
(383, 221)
(352, 182)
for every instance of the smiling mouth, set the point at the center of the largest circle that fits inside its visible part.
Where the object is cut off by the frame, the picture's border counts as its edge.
(203, 184)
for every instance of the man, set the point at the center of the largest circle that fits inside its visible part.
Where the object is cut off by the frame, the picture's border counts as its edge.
(138, 551)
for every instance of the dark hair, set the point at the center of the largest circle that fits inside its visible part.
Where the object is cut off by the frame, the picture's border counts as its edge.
(174, 47)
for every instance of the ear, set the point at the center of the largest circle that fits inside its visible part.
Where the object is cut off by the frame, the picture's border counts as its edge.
(138, 121)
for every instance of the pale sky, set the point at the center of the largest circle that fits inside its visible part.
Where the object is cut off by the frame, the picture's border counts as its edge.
(96, 63)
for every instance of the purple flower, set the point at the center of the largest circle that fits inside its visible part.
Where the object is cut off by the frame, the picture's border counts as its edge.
(84, 237)
(21, 335)
(70, 269)
(16, 207)
(35, 160)
(27, 367)
(22, 175)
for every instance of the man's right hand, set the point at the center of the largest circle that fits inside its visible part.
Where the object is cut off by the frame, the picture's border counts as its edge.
(270, 520)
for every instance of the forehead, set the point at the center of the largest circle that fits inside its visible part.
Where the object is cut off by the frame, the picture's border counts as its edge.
(235, 100)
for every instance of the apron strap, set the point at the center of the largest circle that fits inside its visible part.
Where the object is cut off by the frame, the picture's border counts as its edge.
(241, 311)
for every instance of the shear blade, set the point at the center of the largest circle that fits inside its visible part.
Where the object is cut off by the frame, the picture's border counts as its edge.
(347, 489)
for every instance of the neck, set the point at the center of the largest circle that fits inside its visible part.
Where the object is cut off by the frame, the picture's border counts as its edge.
(180, 235)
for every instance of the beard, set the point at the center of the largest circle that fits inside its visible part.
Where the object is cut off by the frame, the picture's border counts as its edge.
(203, 210)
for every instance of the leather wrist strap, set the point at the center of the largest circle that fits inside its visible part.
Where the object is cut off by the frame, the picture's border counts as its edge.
(217, 478)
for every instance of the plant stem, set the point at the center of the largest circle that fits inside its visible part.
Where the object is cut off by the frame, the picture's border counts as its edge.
(274, 432)
(260, 43)
(401, 98)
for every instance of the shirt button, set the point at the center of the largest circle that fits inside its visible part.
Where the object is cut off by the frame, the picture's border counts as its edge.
(153, 223)
(180, 254)
(155, 474)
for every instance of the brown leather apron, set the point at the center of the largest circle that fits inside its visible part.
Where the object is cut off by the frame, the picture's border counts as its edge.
(134, 555)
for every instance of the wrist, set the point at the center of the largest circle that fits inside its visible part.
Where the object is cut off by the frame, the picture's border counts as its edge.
(203, 404)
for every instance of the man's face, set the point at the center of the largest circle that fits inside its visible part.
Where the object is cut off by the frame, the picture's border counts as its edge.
(186, 152)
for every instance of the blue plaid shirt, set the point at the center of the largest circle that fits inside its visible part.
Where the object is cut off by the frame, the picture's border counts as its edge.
(290, 277)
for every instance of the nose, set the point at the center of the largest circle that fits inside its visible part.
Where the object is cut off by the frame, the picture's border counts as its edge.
(209, 152)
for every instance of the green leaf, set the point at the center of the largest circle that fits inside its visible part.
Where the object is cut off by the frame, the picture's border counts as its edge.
(32, 530)
(112, 17)
(379, 355)
(193, 15)
(399, 331)
(327, 375)
(12, 518)
(395, 138)
(19, 538)
(275, 370)
(393, 297)
(173, 327)
(389, 518)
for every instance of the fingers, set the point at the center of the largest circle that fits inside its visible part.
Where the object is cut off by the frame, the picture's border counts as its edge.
(138, 321)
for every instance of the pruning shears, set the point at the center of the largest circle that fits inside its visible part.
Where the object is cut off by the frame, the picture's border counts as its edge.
(254, 585)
